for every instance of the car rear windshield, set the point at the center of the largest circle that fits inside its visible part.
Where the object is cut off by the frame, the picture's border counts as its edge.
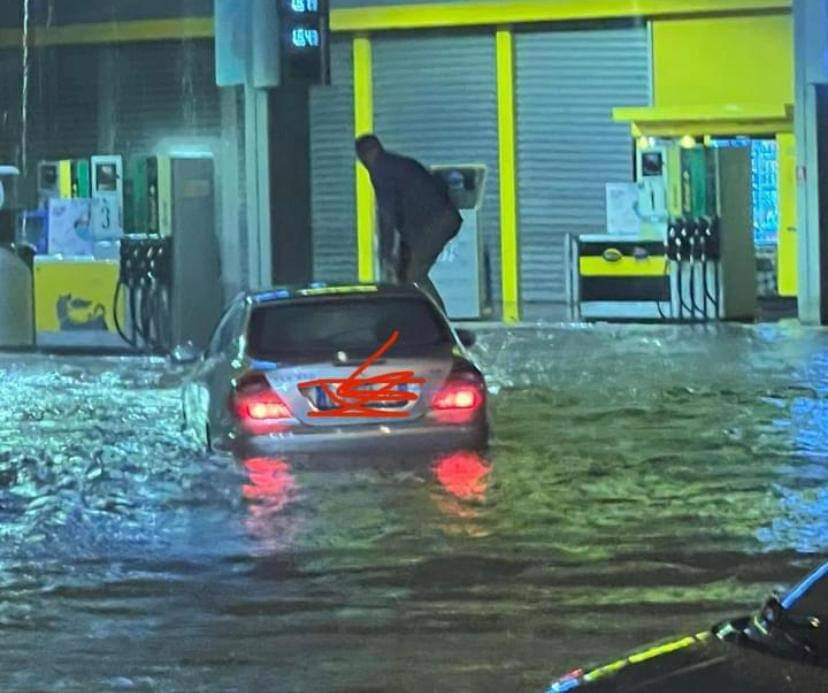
(355, 326)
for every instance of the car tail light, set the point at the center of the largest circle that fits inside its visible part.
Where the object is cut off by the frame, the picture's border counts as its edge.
(257, 406)
(459, 400)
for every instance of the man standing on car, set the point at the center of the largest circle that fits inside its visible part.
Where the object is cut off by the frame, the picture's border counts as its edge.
(416, 204)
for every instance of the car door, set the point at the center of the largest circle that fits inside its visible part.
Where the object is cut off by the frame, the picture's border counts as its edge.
(220, 364)
(204, 387)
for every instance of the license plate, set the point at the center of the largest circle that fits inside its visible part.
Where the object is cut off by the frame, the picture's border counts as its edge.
(323, 402)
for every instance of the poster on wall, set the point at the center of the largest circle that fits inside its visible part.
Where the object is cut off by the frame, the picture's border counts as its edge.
(70, 227)
(622, 209)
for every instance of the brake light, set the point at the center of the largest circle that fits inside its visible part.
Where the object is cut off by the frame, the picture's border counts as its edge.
(257, 406)
(459, 400)
(457, 397)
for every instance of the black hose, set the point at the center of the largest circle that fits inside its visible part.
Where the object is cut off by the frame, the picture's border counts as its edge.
(145, 318)
(664, 274)
(116, 319)
(714, 301)
(704, 282)
(159, 342)
(679, 301)
(692, 284)
(152, 315)
(718, 294)
(165, 327)
(133, 312)
(682, 306)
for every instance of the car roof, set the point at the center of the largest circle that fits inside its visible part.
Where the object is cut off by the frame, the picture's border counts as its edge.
(318, 290)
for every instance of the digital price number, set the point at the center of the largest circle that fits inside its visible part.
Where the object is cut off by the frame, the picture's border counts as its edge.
(304, 40)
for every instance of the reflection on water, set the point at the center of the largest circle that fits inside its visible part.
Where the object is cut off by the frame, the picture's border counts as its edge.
(463, 474)
(642, 482)
(268, 489)
(270, 482)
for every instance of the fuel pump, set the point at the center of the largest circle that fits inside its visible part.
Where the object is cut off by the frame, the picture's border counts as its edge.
(107, 197)
(709, 244)
(171, 275)
(687, 233)
(695, 206)
(48, 182)
(80, 182)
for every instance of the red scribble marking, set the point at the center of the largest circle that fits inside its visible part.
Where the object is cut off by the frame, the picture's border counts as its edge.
(351, 398)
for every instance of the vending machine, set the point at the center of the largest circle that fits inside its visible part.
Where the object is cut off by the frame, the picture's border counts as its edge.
(459, 273)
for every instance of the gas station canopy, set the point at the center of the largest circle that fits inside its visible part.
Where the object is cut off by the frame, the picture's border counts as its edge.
(706, 120)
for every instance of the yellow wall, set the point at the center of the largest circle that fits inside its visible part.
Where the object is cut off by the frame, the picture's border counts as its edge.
(719, 61)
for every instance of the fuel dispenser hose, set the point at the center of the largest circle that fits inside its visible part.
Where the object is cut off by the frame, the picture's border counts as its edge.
(145, 278)
(116, 302)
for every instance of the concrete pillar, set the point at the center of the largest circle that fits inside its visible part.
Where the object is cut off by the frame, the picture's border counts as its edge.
(811, 68)
(245, 34)
(232, 228)
(257, 175)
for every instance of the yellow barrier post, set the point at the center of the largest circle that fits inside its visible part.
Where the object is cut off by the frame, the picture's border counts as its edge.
(787, 270)
(363, 124)
(509, 263)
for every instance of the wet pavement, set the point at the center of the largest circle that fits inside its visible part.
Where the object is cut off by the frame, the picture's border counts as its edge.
(642, 482)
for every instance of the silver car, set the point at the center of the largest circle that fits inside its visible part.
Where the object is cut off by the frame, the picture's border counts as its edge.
(358, 368)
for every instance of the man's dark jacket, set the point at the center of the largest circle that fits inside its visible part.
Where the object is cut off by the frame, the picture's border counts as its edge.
(411, 199)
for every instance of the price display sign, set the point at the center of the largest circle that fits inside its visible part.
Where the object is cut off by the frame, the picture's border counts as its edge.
(304, 44)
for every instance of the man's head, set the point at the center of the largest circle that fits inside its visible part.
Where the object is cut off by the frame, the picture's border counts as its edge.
(368, 148)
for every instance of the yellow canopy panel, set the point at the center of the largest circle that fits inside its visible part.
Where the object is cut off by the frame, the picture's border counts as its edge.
(753, 119)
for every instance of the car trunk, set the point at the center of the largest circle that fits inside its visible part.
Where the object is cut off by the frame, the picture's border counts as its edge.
(393, 391)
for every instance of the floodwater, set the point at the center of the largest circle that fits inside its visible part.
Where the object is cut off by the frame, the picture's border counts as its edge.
(643, 482)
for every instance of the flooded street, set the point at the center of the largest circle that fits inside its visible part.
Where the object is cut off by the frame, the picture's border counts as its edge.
(643, 482)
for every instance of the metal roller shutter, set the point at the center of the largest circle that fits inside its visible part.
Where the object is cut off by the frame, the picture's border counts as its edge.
(435, 99)
(568, 82)
(333, 210)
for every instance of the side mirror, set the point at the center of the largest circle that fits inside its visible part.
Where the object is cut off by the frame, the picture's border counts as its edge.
(467, 338)
(185, 354)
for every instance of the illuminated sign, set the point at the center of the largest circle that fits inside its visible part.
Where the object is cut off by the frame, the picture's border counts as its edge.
(304, 41)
